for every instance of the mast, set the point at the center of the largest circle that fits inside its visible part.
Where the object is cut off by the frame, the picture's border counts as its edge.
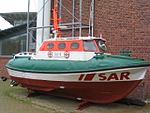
(55, 21)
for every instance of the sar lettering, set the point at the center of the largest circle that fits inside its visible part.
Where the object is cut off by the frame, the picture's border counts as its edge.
(105, 76)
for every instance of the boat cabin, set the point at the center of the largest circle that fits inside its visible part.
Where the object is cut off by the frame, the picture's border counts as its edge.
(70, 49)
(80, 45)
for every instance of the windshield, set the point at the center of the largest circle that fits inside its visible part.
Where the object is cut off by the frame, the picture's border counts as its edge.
(89, 45)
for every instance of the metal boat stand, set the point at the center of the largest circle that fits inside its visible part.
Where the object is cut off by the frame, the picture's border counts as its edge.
(83, 104)
(32, 93)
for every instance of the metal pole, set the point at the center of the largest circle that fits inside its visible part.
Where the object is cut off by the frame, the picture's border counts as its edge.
(47, 26)
(70, 28)
(73, 15)
(92, 23)
(50, 10)
(90, 20)
(80, 16)
(28, 16)
(50, 14)
(43, 20)
(60, 10)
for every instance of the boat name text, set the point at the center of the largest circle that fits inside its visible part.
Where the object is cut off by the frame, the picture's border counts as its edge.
(105, 77)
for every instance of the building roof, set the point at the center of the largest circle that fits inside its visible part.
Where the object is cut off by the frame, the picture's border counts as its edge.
(17, 16)
(15, 30)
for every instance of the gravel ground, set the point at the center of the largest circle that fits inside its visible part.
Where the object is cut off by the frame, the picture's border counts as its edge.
(14, 100)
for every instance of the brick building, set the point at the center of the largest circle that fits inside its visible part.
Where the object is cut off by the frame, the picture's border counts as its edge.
(125, 24)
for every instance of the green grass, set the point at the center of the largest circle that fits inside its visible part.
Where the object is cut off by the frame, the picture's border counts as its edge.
(18, 93)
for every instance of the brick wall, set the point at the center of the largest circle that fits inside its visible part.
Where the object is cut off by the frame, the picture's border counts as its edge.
(125, 24)
(3, 61)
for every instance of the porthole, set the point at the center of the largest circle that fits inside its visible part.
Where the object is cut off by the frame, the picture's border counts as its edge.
(61, 45)
(50, 45)
(74, 45)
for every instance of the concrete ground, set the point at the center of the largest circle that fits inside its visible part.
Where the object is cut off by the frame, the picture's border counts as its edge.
(15, 100)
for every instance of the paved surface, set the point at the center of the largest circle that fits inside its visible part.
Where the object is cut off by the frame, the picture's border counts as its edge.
(14, 100)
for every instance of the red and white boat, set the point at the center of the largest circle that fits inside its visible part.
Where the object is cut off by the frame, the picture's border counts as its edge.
(77, 68)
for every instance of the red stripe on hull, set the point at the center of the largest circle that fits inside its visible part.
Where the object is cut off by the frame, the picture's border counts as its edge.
(97, 92)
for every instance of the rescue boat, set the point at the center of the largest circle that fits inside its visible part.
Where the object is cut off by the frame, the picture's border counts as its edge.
(77, 68)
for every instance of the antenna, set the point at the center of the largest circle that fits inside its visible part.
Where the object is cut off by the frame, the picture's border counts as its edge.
(56, 21)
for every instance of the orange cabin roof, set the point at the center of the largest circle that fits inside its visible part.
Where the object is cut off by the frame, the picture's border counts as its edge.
(71, 45)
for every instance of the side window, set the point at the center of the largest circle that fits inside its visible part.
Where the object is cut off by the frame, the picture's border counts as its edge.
(50, 45)
(89, 45)
(61, 45)
(74, 45)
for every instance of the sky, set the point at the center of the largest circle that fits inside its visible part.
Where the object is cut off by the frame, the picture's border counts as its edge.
(7, 6)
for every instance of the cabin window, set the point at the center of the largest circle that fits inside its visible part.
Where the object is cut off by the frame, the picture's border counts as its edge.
(61, 45)
(89, 45)
(74, 45)
(50, 45)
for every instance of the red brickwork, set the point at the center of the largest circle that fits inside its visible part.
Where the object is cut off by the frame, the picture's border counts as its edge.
(3, 71)
(125, 24)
